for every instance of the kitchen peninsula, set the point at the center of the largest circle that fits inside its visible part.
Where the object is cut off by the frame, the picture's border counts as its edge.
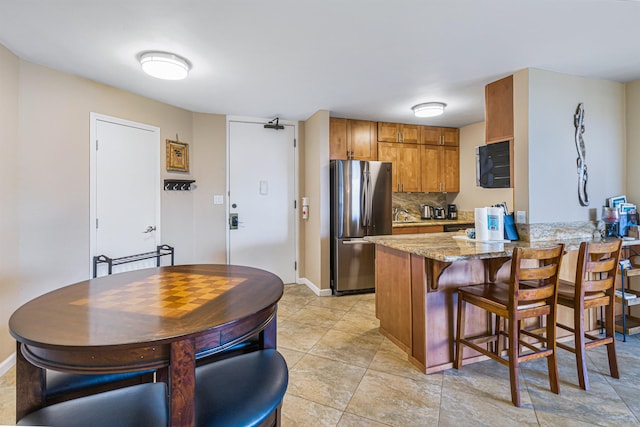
(417, 277)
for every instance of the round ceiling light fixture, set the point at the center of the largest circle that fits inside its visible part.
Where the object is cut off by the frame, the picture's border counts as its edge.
(429, 109)
(163, 65)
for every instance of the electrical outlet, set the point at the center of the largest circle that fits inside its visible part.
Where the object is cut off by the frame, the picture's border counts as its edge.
(218, 200)
(521, 217)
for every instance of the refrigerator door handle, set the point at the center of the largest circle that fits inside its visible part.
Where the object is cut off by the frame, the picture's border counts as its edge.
(356, 242)
(365, 202)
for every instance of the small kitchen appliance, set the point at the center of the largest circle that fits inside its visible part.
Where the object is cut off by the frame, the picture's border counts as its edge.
(425, 211)
(452, 211)
(438, 213)
(611, 219)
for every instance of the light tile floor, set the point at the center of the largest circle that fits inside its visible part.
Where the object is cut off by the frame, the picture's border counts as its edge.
(343, 373)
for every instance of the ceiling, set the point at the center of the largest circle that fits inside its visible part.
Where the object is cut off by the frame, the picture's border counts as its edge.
(367, 59)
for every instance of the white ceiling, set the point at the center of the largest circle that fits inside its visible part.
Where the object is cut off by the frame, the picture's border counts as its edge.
(368, 59)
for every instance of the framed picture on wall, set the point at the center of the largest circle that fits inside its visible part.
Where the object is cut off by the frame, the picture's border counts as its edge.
(177, 156)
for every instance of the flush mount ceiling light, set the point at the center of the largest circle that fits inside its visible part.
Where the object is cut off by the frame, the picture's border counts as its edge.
(429, 109)
(164, 65)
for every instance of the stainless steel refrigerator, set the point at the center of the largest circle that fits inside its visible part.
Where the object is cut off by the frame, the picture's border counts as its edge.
(360, 206)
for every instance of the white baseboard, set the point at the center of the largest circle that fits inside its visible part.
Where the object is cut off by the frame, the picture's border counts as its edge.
(7, 364)
(316, 290)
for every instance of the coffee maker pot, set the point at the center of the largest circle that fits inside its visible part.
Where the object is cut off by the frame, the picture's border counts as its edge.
(452, 211)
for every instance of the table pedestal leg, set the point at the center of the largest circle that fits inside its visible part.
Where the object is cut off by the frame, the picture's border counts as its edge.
(30, 386)
(182, 383)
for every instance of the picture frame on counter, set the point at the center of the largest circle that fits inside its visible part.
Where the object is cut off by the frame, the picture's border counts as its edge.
(614, 202)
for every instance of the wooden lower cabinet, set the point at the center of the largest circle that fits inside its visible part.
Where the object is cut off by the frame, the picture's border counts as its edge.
(419, 316)
(418, 229)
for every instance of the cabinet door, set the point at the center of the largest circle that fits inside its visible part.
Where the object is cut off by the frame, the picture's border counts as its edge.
(362, 140)
(410, 134)
(409, 168)
(388, 132)
(388, 152)
(430, 161)
(450, 136)
(498, 98)
(430, 135)
(338, 139)
(450, 169)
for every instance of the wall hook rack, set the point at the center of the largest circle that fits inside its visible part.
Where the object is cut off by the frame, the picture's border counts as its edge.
(178, 184)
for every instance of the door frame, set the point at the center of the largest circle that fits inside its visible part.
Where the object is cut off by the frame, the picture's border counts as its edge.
(296, 161)
(94, 118)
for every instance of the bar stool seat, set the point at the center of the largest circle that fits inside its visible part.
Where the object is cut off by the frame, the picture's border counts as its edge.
(245, 390)
(136, 406)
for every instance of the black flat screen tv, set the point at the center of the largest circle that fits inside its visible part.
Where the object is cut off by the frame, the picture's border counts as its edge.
(493, 165)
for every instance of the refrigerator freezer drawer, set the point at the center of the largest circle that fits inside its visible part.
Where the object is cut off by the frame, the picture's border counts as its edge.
(354, 265)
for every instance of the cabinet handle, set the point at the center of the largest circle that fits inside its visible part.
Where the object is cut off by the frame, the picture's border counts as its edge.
(403, 187)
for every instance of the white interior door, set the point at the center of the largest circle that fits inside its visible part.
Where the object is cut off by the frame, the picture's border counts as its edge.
(262, 195)
(125, 190)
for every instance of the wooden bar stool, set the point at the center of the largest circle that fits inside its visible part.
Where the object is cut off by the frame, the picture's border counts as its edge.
(531, 293)
(594, 286)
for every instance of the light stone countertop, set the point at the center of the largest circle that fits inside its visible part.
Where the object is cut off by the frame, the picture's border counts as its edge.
(443, 247)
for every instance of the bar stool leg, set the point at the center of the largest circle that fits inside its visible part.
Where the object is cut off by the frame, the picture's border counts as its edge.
(513, 361)
(459, 332)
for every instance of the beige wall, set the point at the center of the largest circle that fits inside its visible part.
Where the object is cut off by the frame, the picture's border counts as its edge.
(521, 142)
(633, 141)
(209, 161)
(52, 171)
(9, 196)
(316, 177)
(553, 181)
(470, 196)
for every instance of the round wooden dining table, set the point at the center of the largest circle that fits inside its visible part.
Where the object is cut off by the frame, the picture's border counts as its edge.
(157, 318)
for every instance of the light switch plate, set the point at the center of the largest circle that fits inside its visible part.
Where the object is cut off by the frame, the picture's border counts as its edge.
(218, 200)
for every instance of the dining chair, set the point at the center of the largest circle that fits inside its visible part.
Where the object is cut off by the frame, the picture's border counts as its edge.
(594, 286)
(531, 292)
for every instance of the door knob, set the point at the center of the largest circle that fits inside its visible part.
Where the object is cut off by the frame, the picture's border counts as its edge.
(149, 229)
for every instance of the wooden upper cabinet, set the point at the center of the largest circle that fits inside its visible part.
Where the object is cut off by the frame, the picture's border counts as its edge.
(499, 110)
(405, 161)
(338, 139)
(362, 139)
(450, 169)
(440, 136)
(352, 139)
(440, 168)
(398, 132)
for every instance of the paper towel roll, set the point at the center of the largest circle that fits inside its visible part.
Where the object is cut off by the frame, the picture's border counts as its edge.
(482, 228)
(495, 223)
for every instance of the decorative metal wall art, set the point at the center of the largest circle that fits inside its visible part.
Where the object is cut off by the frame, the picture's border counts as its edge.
(578, 122)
